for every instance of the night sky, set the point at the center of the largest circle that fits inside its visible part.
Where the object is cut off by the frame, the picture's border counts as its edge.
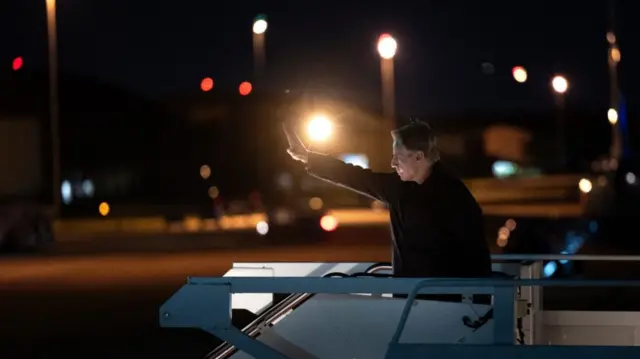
(163, 47)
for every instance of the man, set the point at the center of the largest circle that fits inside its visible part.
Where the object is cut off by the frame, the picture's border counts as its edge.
(437, 225)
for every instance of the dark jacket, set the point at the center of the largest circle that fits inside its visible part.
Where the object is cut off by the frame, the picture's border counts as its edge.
(437, 226)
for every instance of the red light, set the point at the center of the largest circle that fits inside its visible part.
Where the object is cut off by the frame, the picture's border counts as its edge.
(17, 63)
(328, 223)
(206, 84)
(245, 88)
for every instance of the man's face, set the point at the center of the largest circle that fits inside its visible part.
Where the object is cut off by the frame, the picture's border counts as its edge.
(405, 162)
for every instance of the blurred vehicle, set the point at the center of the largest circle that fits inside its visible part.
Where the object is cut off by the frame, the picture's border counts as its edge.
(25, 212)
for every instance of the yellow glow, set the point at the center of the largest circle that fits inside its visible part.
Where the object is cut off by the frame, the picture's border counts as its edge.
(260, 27)
(520, 74)
(387, 46)
(612, 116)
(585, 185)
(104, 209)
(316, 203)
(319, 128)
(560, 84)
(205, 171)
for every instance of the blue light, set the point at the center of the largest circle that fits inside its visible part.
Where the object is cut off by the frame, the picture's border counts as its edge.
(564, 261)
(550, 268)
(593, 226)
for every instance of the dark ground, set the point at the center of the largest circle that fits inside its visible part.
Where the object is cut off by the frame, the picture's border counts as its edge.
(100, 299)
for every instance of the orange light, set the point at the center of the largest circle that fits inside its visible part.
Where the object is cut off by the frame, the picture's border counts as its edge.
(17, 63)
(206, 84)
(245, 88)
(328, 223)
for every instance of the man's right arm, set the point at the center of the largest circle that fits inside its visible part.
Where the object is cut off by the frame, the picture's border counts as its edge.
(379, 186)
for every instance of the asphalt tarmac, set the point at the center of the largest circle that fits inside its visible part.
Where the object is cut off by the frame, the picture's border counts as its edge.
(100, 298)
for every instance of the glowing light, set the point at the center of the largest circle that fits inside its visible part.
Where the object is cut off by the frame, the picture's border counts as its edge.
(245, 88)
(260, 26)
(560, 84)
(316, 203)
(262, 228)
(612, 116)
(104, 209)
(387, 46)
(630, 178)
(328, 223)
(550, 268)
(205, 171)
(319, 128)
(519, 74)
(615, 54)
(17, 63)
(213, 192)
(585, 185)
(206, 84)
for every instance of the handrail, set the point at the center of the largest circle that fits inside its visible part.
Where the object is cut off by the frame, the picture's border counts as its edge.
(273, 314)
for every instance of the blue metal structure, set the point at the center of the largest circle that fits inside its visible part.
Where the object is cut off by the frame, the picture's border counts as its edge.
(206, 303)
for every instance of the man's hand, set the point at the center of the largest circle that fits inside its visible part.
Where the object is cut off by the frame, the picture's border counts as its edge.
(296, 149)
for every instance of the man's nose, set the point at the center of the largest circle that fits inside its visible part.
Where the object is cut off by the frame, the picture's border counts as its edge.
(394, 163)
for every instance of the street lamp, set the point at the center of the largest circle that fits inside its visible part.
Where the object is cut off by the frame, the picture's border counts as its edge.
(259, 28)
(519, 74)
(612, 116)
(560, 84)
(387, 47)
(319, 128)
(53, 103)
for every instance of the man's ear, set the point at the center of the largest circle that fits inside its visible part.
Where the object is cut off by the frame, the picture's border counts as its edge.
(419, 155)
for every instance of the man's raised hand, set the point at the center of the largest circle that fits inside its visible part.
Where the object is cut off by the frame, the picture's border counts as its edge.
(296, 149)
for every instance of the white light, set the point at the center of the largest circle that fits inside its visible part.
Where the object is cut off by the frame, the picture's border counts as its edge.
(319, 128)
(260, 27)
(630, 178)
(504, 169)
(88, 188)
(262, 228)
(560, 84)
(585, 185)
(387, 46)
(67, 192)
(356, 160)
(612, 116)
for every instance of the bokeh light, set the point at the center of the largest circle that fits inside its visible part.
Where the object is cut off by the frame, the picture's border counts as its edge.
(206, 84)
(104, 209)
(519, 74)
(245, 88)
(560, 84)
(260, 26)
(17, 63)
(387, 46)
(329, 223)
(612, 116)
(205, 171)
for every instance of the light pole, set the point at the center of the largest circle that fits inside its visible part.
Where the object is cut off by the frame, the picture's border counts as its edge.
(614, 56)
(53, 104)
(259, 30)
(387, 48)
(560, 86)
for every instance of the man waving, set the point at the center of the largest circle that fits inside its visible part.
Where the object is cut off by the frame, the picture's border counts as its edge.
(437, 225)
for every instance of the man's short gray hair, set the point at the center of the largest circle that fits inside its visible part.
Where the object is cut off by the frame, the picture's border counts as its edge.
(418, 136)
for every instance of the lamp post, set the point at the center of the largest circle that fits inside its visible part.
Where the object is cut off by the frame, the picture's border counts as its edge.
(259, 30)
(387, 48)
(53, 104)
(560, 86)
